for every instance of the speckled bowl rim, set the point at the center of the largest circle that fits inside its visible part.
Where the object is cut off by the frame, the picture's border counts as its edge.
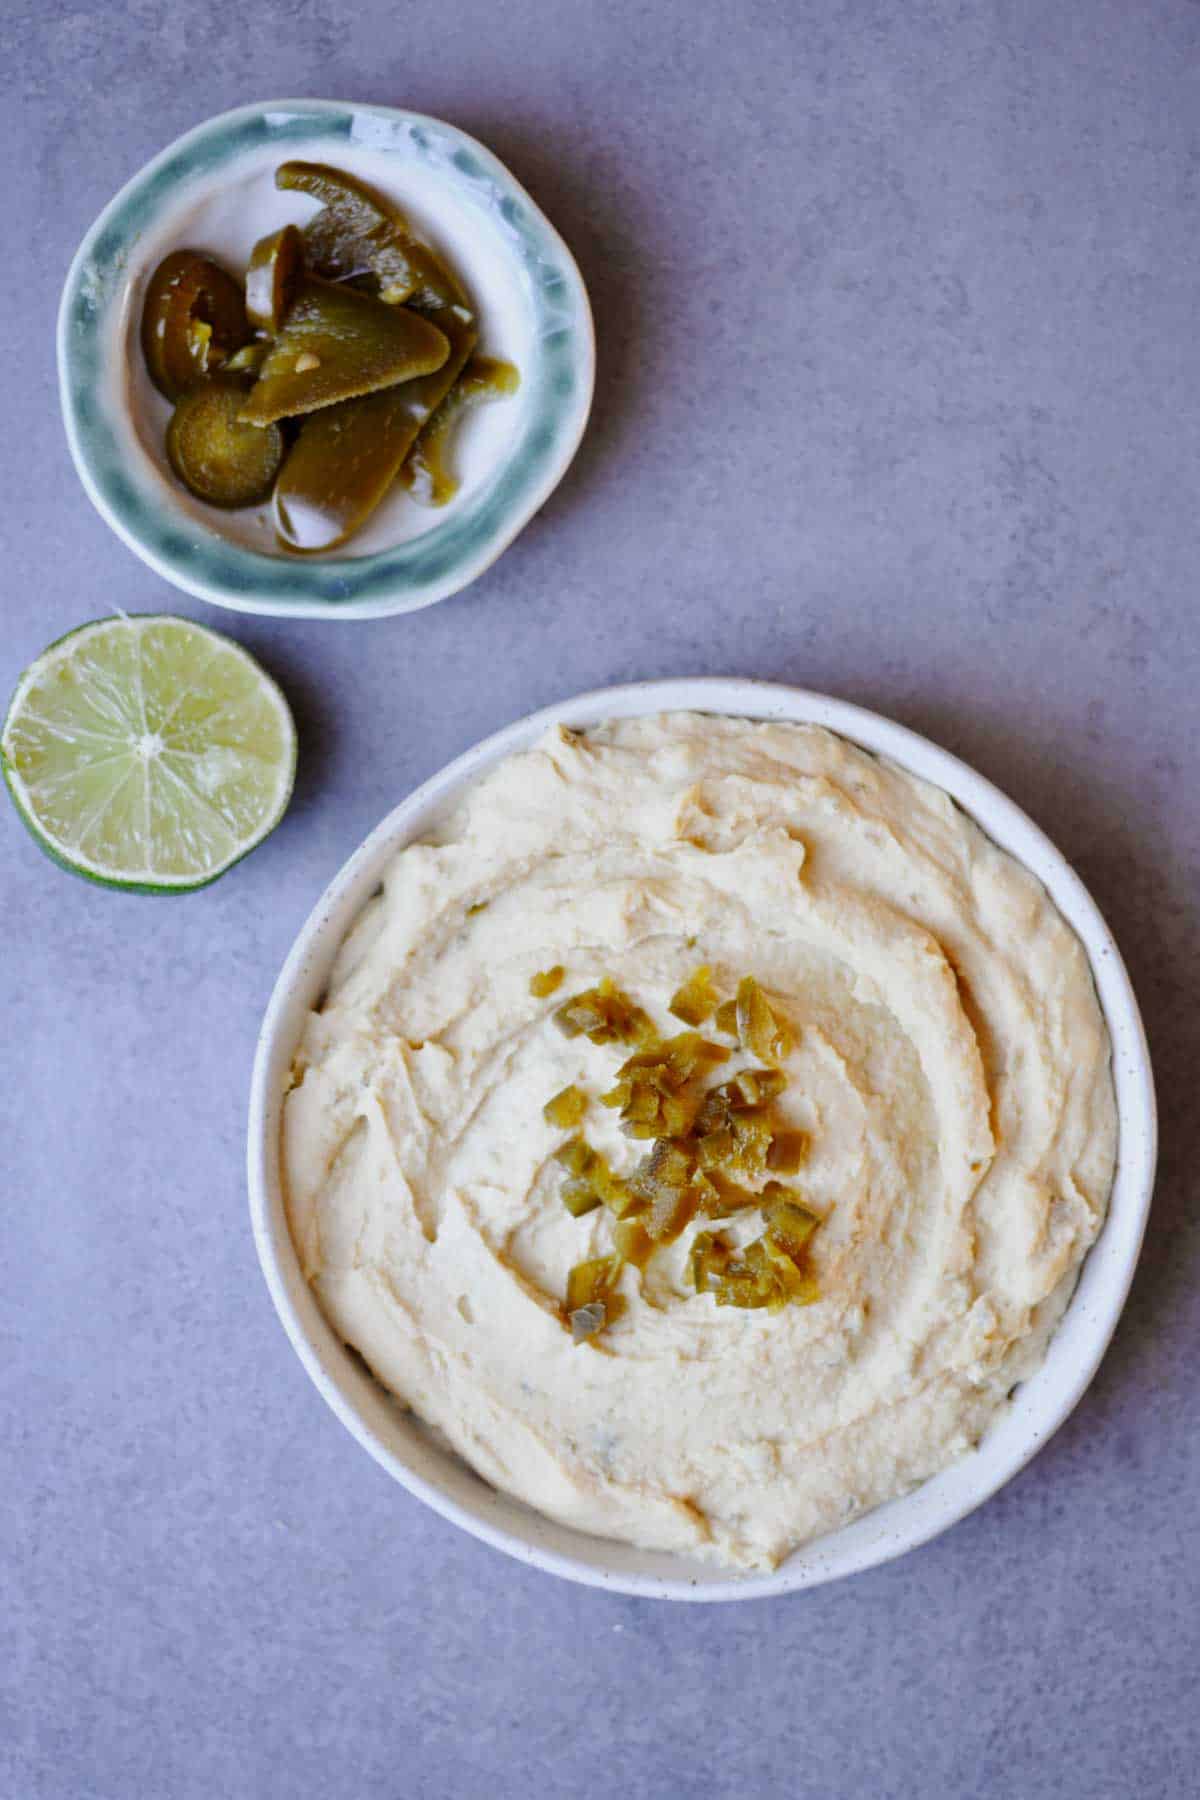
(451, 553)
(1039, 1406)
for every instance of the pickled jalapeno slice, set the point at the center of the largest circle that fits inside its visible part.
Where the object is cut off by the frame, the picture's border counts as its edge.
(358, 233)
(426, 472)
(347, 457)
(273, 277)
(217, 457)
(339, 345)
(348, 307)
(193, 318)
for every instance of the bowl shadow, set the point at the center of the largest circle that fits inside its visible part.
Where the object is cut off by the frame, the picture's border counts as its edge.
(603, 221)
(314, 712)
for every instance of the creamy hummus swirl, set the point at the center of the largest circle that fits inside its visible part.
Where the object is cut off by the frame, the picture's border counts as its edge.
(951, 1065)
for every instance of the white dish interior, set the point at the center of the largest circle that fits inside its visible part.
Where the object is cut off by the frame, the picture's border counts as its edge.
(412, 1455)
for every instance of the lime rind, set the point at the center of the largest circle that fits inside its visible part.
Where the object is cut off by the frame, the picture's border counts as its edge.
(148, 753)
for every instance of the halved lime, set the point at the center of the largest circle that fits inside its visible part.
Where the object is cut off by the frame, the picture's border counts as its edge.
(148, 753)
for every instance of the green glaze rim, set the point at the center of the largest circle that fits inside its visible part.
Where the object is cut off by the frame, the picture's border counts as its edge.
(558, 388)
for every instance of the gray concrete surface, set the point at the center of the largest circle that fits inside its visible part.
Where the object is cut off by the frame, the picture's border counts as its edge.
(898, 397)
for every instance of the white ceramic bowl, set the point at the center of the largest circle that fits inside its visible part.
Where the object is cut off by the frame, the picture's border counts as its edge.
(1039, 1407)
(214, 190)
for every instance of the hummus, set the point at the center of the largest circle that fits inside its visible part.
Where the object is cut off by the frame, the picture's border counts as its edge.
(951, 1066)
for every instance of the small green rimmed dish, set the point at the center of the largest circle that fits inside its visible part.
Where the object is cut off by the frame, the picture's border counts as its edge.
(214, 190)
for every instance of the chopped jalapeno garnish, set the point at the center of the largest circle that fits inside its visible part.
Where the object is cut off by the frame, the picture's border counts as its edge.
(574, 1155)
(665, 1171)
(700, 1139)
(604, 1015)
(797, 1282)
(672, 1212)
(566, 1108)
(727, 1197)
(740, 1283)
(591, 1280)
(759, 1029)
(697, 999)
(752, 1136)
(725, 1018)
(593, 1180)
(579, 1196)
(790, 1224)
(716, 1148)
(545, 983)
(633, 1242)
(755, 1087)
(709, 1255)
(788, 1150)
(592, 1300)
